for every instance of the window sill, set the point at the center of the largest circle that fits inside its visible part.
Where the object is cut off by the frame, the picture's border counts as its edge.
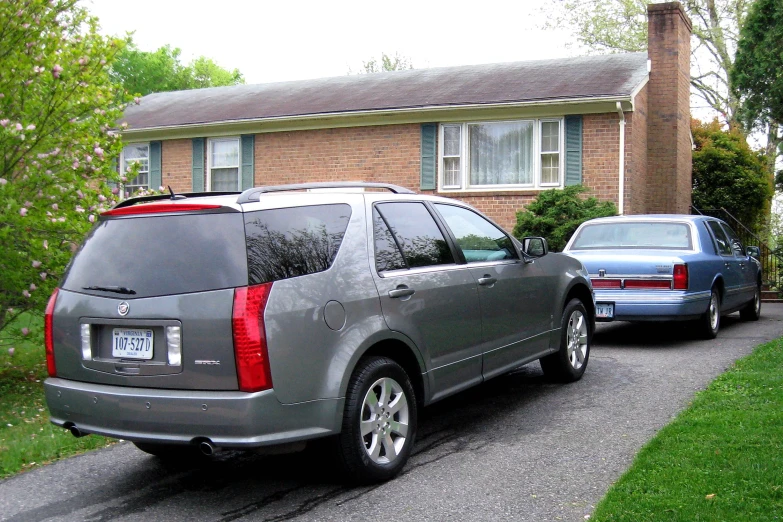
(527, 191)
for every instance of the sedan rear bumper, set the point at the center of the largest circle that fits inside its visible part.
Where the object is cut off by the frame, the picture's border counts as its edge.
(661, 305)
(227, 418)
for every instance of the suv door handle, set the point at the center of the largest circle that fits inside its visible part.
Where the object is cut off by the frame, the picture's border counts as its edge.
(401, 291)
(487, 280)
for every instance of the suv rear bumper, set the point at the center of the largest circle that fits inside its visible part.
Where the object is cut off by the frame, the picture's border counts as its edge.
(229, 419)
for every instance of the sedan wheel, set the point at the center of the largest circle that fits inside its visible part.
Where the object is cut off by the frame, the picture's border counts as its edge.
(752, 310)
(569, 363)
(379, 423)
(711, 319)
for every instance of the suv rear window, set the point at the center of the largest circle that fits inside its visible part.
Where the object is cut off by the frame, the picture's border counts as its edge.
(291, 242)
(161, 255)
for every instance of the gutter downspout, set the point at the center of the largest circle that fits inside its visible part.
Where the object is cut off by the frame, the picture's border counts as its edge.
(621, 200)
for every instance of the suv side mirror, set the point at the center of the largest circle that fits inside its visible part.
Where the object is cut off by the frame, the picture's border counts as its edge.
(754, 251)
(535, 246)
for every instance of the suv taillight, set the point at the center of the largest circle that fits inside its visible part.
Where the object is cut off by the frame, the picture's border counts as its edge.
(49, 334)
(680, 277)
(250, 351)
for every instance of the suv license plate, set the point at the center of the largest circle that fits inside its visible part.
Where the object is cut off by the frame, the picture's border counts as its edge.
(132, 343)
(604, 310)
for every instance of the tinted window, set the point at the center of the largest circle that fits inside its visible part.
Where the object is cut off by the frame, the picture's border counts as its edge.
(724, 248)
(387, 254)
(417, 234)
(161, 255)
(478, 239)
(291, 242)
(634, 235)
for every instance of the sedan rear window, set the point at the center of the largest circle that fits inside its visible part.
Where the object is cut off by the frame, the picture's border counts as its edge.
(161, 254)
(636, 235)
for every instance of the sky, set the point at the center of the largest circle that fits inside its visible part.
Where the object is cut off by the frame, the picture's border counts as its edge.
(271, 41)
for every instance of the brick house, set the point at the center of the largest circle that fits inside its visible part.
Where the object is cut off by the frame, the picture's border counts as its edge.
(491, 135)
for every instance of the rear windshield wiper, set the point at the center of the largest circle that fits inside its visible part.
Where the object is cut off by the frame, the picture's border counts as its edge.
(115, 289)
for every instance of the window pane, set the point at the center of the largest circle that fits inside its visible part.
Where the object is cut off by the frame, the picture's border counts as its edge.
(420, 238)
(225, 153)
(451, 140)
(291, 242)
(550, 136)
(478, 239)
(131, 152)
(136, 155)
(387, 255)
(550, 168)
(501, 153)
(451, 172)
(225, 179)
(724, 247)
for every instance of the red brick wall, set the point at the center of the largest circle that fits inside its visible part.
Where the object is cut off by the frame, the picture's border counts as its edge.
(389, 153)
(177, 165)
(669, 147)
(636, 156)
(600, 159)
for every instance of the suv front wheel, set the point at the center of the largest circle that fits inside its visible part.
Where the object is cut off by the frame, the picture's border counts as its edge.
(379, 423)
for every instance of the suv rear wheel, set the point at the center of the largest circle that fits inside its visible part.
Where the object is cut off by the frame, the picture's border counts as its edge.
(379, 423)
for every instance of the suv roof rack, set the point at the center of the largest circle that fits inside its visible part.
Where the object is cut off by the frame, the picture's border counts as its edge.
(254, 194)
(157, 197)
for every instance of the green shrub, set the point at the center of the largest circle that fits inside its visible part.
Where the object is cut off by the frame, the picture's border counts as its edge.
(555, 214)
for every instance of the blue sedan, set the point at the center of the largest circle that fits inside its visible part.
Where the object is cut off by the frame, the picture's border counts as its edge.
(668, 268)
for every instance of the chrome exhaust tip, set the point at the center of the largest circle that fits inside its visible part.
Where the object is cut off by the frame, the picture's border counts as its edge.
(207, 448)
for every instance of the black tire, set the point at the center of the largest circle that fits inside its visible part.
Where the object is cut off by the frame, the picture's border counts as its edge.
(710, 321)
(365, 458)
(752, 310)
(568, 364)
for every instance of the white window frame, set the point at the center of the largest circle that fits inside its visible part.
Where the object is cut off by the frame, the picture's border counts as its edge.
(210, 141)
(124, 167)
(537, 184)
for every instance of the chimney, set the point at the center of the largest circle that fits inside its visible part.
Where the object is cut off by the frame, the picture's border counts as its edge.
(668, 105)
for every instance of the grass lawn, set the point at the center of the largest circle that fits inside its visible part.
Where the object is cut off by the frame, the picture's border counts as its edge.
(719, 460)
(27, 438)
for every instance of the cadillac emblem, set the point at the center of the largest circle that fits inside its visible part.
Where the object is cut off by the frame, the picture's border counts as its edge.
(123, 308)
(602, 273)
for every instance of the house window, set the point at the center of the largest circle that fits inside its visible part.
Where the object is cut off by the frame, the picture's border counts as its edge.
(223, 164)
(501, 155)
(550, 152)
(136, 154)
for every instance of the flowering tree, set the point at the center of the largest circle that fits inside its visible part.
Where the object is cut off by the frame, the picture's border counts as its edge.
(57, 148)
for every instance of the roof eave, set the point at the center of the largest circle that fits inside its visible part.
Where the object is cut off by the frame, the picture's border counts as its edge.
(405, 115)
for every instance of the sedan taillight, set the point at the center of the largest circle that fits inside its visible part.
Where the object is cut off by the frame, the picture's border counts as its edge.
(680, 277)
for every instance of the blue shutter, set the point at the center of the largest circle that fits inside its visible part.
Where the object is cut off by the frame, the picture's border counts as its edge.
(573, 150)
(247, 154)
(429, 154)
(198, 165)
(156, 176)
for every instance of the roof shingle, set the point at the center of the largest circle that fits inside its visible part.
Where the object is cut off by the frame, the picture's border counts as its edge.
(515, 82)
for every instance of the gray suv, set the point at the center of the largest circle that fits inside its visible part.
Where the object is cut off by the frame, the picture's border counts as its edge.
(332, 311)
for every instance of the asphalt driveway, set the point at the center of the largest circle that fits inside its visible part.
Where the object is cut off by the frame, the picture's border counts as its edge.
(516, 448)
